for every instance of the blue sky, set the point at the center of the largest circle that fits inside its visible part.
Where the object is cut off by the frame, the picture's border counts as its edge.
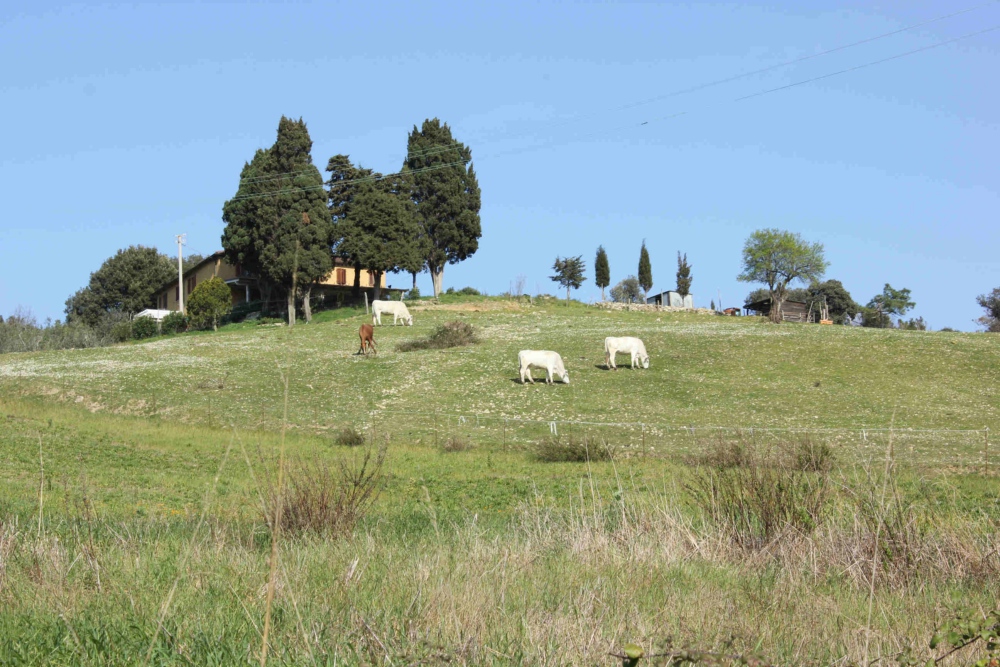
(128, 124)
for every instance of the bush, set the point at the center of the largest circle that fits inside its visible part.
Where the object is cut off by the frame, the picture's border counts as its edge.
(144, 327)
(812, 456)
(349, 437)
(570, 448)
(449, 334)
(174, 323)
(241, 310)
(627, 291)
(121, 331)
(209, 302)
(413, 294)
(756, 501)
(322, 499)
(456, 443)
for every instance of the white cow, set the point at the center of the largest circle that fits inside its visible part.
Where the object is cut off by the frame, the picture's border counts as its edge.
(625, 344)
(397, 308)
(550, 361)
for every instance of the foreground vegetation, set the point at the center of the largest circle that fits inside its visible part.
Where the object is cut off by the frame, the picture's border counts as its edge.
(137, 503)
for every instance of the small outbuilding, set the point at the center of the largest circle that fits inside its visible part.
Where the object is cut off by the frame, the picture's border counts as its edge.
(672, 299)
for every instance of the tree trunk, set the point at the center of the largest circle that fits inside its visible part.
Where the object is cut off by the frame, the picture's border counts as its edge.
(291, 307)
(356, 293)
(306, 305)
(437, 277)
(775, 313)
(567, 293)
(378, 285)
(602, 294)
(414, 274)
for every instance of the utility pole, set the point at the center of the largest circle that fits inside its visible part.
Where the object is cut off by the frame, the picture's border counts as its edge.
(180, 273)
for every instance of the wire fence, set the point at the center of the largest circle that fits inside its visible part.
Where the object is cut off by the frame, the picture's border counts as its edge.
(943, 450)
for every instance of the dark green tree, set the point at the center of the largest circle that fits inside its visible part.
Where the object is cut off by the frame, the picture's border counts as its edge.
(991, 304)
(883, 306)
(602, 271)
(125, 283)
(569, 272)
(345, 181)
(445, 191)
(384, 230)
(683, 275)
(837, 299)
(776, 258)
(209, 302)
(645, 271)
(278, 225)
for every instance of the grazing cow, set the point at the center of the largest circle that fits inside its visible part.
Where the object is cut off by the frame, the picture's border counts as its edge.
(550, 361)
(625, 344)
(397, 308)
(367, 335)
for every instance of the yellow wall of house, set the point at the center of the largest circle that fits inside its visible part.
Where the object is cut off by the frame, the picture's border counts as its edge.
(348, 278)
(167, 299)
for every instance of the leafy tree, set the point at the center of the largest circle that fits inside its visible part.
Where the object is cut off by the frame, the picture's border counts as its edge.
(645, 271)
(626, 291)
(444, 188)
(991, 304)
(838, 300)
(126, 282)
(209, 302)
(345, 181)
(278, 225)
(569, 272)
(683, 275)
(913, 324)
(889, 302)
(776, 258)
(712, 305)
(602, 271)
(756, 295)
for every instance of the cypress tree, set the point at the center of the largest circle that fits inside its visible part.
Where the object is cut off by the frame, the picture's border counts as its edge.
(602, 271)
(645, 271)
(278, 225)
(445, 191)
(683, 275)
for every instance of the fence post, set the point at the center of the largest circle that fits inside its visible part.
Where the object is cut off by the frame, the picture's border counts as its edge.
(366, 303)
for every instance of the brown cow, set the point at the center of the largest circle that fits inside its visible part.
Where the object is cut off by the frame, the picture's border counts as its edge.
(367, 335)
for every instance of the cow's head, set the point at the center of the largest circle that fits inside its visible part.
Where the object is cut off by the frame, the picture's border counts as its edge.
(645, 361)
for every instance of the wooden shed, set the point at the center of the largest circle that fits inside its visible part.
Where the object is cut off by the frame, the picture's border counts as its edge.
(791, 311)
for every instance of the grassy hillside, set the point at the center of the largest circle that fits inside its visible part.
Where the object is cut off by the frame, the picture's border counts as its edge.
(131, 528)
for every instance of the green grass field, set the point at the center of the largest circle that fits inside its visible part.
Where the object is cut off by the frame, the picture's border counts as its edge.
(131, 528)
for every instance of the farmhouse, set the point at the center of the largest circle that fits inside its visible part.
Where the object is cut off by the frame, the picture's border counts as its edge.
(243, 284)
(791, 311)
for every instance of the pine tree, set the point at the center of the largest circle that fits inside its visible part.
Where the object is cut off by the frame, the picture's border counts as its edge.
(683, 275)
(444, 188)
(569, 272)
(602, 271)
(645, 271)
(278, 225)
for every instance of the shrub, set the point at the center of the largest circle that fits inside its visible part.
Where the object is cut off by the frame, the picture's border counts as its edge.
(756, 501)
(456, 443)
(324, 499)
(469, 291)
(449, 334)
(121, 331)
(570, 448)
(144, 327)
(627, 291)
(241, 310)
(173, 323)
(413, 294)
(349, 437)
(209, 302)
(812, 456)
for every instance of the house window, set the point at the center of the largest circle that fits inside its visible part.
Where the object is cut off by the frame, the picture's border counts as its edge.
(191, 282)
(371, 278)
(341, 276)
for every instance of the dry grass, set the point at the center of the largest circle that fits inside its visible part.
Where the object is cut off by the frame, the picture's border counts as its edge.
(572, 448)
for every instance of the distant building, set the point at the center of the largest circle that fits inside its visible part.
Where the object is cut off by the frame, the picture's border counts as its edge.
(672, 299)
(243, 284)
(791, 311)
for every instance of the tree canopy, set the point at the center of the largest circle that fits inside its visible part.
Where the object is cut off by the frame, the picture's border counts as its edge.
(683, 275)
(626, 291)
(602, 270)
(278, 225)
(127, 283)
(569, 272)
(890, 302)
(990, 303)
(776, 258)
(645, 270)
(443, 186)
(209, 302)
